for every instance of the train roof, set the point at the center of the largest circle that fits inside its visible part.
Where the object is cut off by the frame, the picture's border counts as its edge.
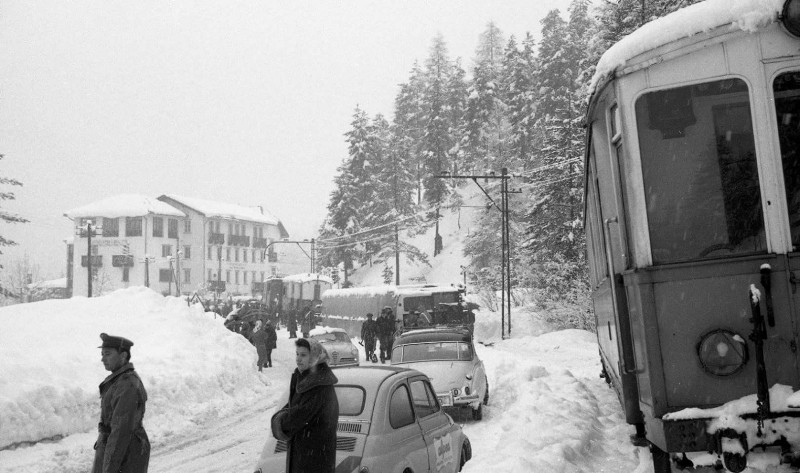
(307, 277)
(745, 15)
(388, 289)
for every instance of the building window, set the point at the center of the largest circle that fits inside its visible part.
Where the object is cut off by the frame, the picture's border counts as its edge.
(187, 252)
(228, 276)
(164, 275)
(227, 254)
(166, 250)
(262, 276)
(209, 252)
(254, 256)
(187, 276)
(236, 254)
(125, 274)
(187, 226)
(133, 226)
(262, 256)
(110, 227)
(210, 275)
(236, 276)
(244, 256)
(172, 228)
(158, 227)
(244, 277)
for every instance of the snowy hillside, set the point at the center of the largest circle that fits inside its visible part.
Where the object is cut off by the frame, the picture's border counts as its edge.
(445, 268)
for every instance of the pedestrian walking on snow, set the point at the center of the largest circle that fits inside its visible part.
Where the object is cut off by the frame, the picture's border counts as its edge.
(369, 330)
(272, 342)
(260, 341)
(122, 445)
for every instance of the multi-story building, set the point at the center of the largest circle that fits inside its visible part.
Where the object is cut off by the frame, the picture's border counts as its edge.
(173, 244)
(229, 245)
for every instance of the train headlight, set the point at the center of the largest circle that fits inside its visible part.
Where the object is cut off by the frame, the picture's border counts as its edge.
(790, 17)
(722, 352)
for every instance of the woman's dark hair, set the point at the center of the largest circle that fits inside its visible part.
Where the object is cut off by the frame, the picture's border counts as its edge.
(302, 342)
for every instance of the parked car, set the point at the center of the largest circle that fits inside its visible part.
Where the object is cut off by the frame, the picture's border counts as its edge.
(389, 421)
(448, 357)
(341, 350)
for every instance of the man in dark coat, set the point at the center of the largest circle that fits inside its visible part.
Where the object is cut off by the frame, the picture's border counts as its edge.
(385, 326)
(272, 342)
(313, 412)
(122, 445)
(369, 329)
(291, 323)
(259, 339)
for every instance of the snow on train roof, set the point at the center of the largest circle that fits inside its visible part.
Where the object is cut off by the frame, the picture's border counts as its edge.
(124, 205)
(387, 289)
(210, 208)
(746, 15)
(307, 277)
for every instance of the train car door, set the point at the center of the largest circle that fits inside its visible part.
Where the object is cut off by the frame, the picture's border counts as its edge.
(607, 173)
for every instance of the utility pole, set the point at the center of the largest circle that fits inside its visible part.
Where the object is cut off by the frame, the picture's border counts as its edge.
(505, 240)
(219, 270)
(89, 256)
(312, 256)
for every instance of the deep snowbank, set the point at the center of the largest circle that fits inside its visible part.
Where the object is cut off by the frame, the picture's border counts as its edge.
(191, 366)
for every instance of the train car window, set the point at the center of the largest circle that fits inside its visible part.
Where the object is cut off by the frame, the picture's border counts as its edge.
(699, 170)
(787, 107)
(594, 235)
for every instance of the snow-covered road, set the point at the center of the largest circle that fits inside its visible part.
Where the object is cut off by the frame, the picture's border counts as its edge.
(549, 411)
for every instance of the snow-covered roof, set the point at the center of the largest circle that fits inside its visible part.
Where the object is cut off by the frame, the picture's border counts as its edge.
(60, 283)
(124, 205)
(307, 277)
(746, 15)
(210, 208)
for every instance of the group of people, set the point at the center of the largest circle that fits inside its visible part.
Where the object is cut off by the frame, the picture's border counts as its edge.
(305, 317)
(265, 340)
(382, 330)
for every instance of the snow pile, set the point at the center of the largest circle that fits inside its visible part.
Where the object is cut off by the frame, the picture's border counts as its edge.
(746, 15)
(192, 367)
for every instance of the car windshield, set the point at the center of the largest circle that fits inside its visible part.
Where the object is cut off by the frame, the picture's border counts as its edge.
(331, 337)
(433, 351)
(351, 399)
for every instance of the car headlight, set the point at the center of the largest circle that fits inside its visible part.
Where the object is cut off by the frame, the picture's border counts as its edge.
(354, 351)
(466, 390)
(456, 392)
(722, 352)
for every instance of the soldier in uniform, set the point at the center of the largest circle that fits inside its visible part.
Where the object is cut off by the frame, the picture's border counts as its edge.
(368, 331)
(122, 445)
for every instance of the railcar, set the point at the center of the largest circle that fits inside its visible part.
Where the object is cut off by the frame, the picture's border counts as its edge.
(692, 217)
(304, 290)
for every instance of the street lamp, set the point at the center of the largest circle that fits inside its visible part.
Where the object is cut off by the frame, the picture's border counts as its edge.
(90, 229)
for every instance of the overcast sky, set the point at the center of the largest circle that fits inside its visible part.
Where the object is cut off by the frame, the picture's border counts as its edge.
(238, 101)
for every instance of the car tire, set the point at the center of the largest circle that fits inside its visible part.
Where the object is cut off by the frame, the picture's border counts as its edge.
(486, 395)
(463, 460)
(477, 414)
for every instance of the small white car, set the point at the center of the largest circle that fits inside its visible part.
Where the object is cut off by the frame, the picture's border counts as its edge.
(341, 350)
(448, 357)
(389, 422)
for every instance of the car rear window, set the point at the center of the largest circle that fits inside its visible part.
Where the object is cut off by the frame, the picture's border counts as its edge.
(451, 351)
(351, 399)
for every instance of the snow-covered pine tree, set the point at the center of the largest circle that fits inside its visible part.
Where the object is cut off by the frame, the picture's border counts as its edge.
(5, 216)
(519, 94)
(554, 246)
(483, 139)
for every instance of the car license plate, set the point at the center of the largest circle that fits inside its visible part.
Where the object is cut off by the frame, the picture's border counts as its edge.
(445, 400)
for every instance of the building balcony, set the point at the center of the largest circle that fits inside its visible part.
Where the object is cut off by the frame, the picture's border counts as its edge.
(239, 240)
(216, 286)
(216, 238)
(97, 261)
(259, 242)
(121, 261)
